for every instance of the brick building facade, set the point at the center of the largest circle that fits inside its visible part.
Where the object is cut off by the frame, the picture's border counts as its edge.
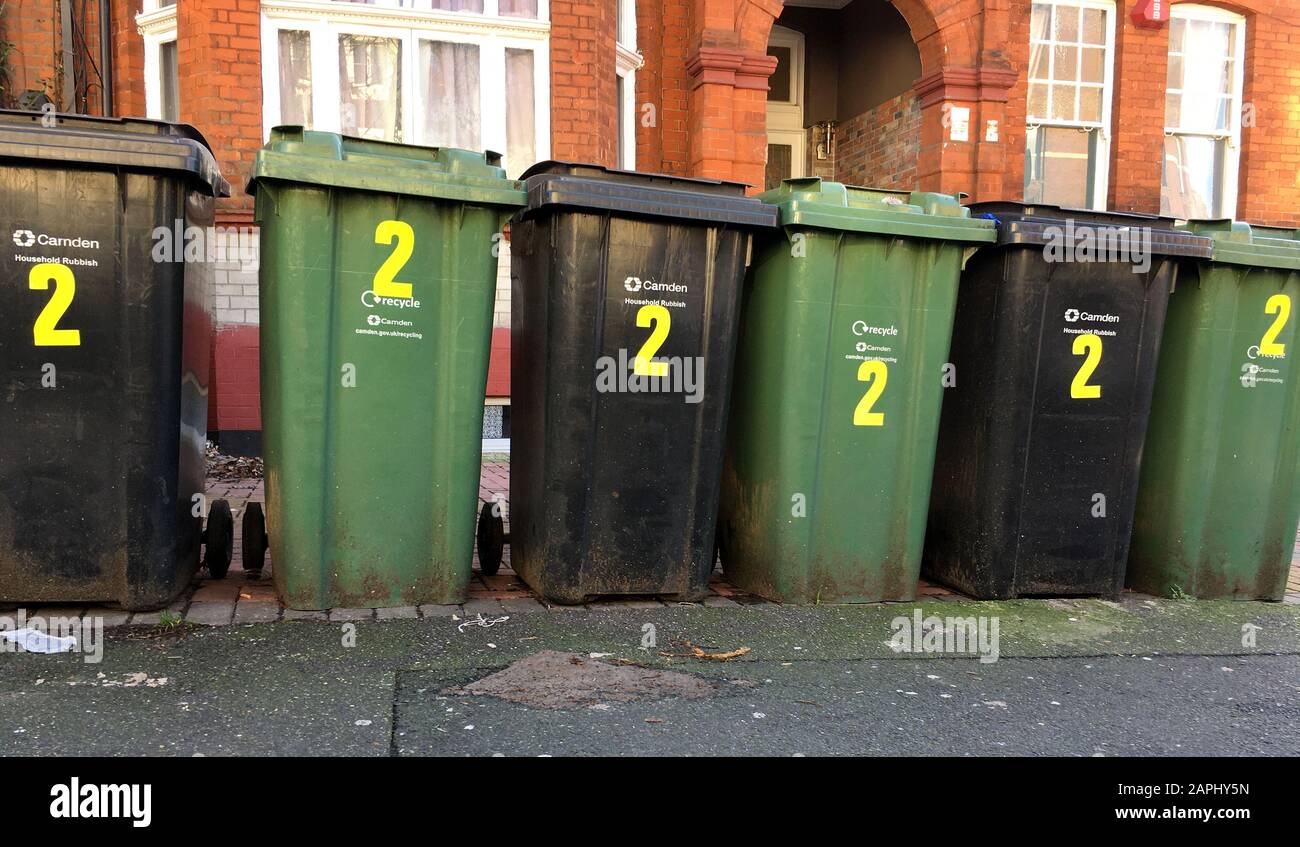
(1129, 105)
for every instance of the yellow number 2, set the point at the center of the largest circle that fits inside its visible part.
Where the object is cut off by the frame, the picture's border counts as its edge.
(1088, 346)
(65, 286)
(652, 313)
(876, 373)
(385, 286)
(1281, 305)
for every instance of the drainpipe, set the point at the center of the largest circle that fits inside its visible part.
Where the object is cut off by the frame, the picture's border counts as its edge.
(69, 72)
(106, 55)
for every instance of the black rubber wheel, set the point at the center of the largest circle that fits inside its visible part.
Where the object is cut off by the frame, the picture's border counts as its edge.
(220, 539)
(491, 539)
(255, 539)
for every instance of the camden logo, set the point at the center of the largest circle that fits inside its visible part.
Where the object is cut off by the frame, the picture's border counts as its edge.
(632, 283)
(1074, 316)
(24, 237)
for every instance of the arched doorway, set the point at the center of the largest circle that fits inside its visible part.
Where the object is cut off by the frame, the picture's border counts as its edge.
(840, 104)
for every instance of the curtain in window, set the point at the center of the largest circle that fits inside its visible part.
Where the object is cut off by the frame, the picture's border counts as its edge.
(519, 8)
(521, 133)
(370, 85)
(449, 85)
(460, 5)
(295, 77)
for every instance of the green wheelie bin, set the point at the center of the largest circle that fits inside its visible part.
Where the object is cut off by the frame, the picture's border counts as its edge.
(378, 276)
(839, 377)
(1219, 496)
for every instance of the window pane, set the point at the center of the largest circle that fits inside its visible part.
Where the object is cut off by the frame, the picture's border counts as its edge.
(1040, 23)
(519, 8)
(1093, 64)
(778, 83)
(1191, 182)
(779, 160)
(1174, 79)
(449, 90)
(1063, 102)
(1206, 78)
(460, 5)
(1059, 166)
(1065, 63)
(1094, 26)
(171, 100)
(370, 84)
(1037, 100)
(295, 77)
(1090, 104)
(521, 132)
(1067, 23)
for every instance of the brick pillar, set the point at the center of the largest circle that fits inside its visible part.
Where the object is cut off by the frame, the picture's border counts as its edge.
(219, 52)
(977, 164)
(1137, 117)
(584, 80)
(663, 82)
(128, 59)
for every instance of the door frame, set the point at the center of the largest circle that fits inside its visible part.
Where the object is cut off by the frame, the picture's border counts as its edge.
(785, 118)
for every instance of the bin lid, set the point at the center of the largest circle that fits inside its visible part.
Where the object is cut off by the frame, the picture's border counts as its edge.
(555, 184)
(1240, 243)
(131, 143)
(814, 202)
(312, 157)
(1036, 224)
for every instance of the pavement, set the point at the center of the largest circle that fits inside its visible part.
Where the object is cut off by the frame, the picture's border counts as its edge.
(228, 672)
(1076, 677)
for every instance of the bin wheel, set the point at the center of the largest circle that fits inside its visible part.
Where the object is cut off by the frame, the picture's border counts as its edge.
(220, 539)
(491, 539)
(255, 538)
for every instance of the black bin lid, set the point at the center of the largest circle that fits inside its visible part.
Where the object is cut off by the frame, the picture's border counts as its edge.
(83, 141)
(553, 184)
(1028, 224)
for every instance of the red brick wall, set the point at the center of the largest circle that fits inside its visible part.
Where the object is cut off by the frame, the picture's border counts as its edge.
(128, 59)
(219, 51)
(32, 27)
(878, 148)
(663, 36)
(584, 114)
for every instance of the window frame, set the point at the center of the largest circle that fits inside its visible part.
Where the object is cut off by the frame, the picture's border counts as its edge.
(326, 20)
(1232, 162)
(1099, 189)
(156, 24)
(627, 62)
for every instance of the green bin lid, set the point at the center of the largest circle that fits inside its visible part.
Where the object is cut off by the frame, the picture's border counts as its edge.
(554, 185)
(310, 157)
(1240, 243)
(136, 144)
(814, 202)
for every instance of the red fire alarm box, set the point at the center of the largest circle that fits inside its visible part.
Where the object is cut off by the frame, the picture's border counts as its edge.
(1151, 13)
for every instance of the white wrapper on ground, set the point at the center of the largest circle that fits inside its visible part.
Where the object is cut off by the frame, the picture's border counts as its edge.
(35, 641)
